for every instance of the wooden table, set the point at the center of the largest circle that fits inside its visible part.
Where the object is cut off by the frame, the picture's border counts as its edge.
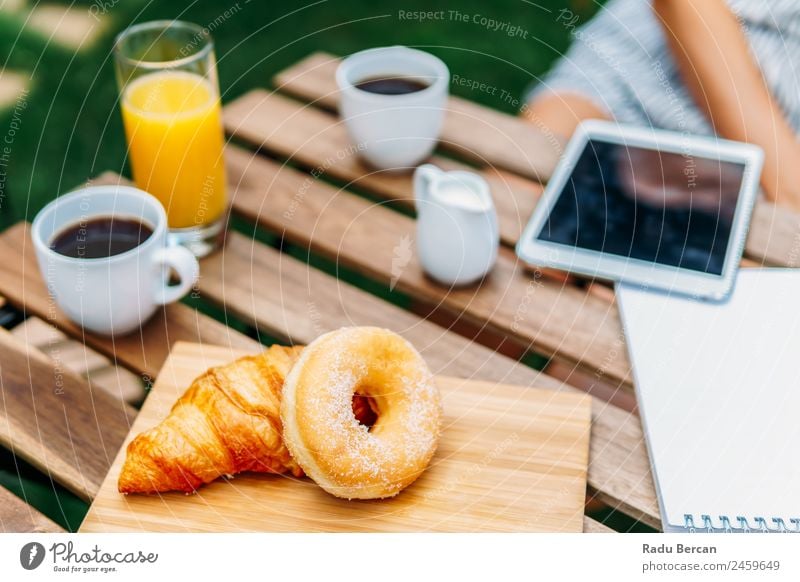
(317, 242)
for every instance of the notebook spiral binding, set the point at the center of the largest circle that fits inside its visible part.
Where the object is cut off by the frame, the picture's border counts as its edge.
(756, 525)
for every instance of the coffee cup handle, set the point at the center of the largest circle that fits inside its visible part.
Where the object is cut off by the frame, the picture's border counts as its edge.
(185, 264)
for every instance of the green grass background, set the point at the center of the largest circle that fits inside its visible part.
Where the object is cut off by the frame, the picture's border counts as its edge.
(71, 130)
(70, 127)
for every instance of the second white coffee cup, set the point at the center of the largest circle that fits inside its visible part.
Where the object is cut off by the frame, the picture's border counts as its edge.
(116, 294)
(393, 131)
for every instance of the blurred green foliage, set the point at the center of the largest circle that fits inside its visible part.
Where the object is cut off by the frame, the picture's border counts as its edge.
(70, 127)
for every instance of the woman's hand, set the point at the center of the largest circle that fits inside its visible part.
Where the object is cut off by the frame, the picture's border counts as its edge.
(714, 59)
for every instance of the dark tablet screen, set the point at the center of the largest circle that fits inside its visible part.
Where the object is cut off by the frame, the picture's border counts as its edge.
(662, 207)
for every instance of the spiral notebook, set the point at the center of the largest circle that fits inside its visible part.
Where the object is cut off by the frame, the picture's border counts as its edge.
(718, 386)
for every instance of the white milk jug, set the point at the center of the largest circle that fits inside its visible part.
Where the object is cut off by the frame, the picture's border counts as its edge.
(457, 233)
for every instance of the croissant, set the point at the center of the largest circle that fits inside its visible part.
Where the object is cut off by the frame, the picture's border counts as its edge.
(228, 421)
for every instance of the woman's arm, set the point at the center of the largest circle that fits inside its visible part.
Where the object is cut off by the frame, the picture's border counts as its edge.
(715, 62)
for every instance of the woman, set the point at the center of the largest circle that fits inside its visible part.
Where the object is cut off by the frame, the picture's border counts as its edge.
(730, 68)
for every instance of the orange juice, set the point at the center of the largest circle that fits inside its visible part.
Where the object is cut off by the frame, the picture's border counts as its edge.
(174, 130)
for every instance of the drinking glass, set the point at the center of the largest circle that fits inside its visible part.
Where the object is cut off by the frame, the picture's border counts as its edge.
(169, 96)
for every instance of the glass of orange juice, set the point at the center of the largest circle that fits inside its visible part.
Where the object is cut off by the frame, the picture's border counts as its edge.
(169, 96)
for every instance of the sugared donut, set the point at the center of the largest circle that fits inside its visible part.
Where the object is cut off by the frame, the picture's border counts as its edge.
(343, 456)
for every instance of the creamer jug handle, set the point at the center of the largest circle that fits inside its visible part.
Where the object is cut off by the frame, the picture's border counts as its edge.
(424, 177)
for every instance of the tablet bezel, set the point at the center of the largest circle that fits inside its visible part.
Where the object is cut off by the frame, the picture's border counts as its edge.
(638, 271)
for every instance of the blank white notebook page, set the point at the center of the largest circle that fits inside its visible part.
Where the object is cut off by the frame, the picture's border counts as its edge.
(718, 387)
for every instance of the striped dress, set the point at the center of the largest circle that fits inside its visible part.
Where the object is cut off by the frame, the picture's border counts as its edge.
(620, 60)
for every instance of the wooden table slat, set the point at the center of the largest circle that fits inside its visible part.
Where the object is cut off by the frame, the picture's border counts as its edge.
(55, 420)
(81, 359)
(16, 516)
(479, 133)
(304, 303)
(592, 526)
(774, 236)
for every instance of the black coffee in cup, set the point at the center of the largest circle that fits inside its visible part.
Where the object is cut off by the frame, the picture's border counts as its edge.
(100, 237)
(388, 85)
(393, 102)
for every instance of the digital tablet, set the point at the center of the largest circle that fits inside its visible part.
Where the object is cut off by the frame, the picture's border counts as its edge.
(651, 207)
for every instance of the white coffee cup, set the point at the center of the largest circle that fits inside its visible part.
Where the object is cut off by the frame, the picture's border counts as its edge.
(117, 294)
(393, 131)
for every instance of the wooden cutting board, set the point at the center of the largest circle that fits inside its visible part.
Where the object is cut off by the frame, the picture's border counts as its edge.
(510, 458)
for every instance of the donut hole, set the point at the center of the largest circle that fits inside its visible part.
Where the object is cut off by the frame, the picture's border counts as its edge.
(365, 409)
